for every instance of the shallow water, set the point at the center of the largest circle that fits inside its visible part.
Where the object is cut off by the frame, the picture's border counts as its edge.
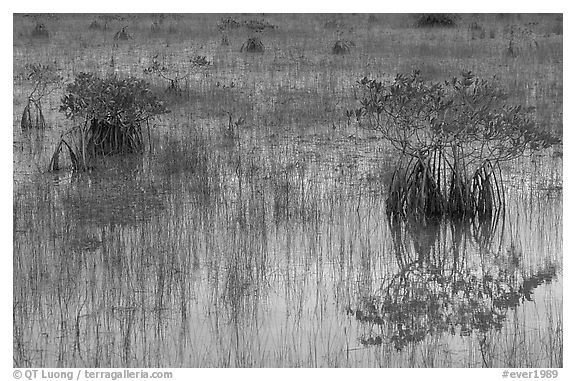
(278, 254)
(271, 246)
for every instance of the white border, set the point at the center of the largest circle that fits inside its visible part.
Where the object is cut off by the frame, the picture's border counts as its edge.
(299, 6)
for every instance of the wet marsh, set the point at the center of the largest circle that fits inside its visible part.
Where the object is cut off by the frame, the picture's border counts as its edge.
(253, 230)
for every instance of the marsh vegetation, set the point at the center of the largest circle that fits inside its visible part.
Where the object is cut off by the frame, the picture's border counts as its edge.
(273, 217)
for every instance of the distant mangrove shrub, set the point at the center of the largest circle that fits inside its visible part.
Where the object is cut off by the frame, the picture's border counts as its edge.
(335, 22)
(477, 31)
(229, 23)
(44, 80)
(157, 23)
(427, 20)
(97, 25)
(109, 116)
(224, 41)
(451, 137)
(253, 45)
(342, 47)
(174, 74)
(122, 35)
(259, 25)
(40, 31)
(520, 39)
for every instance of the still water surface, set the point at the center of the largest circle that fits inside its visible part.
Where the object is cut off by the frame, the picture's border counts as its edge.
(278, 255)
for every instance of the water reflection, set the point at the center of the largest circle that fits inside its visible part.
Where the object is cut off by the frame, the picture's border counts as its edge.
(232, 259)
(450, 278)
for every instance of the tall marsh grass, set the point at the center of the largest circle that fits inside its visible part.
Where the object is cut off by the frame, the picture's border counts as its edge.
(250, 271)
(217, 249)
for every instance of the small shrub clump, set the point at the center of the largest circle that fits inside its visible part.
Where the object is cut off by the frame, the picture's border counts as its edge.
(122, 35)
(428, 20)
(227, 23)
(342, 47)
(477, 31)
(174, 76)
(96, 25)
(224, 41)
(155, 27)
(157, 22)
(40, 31)
(258, 25)
(109, 116)
(334, 23)
(520, 40)
(253, 45)
(45, 80)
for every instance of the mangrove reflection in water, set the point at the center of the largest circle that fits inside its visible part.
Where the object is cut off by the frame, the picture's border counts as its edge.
(439, 288)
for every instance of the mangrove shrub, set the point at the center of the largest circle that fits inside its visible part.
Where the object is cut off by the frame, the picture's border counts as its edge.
(451, 137)
(109, 116)
(44, 80)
